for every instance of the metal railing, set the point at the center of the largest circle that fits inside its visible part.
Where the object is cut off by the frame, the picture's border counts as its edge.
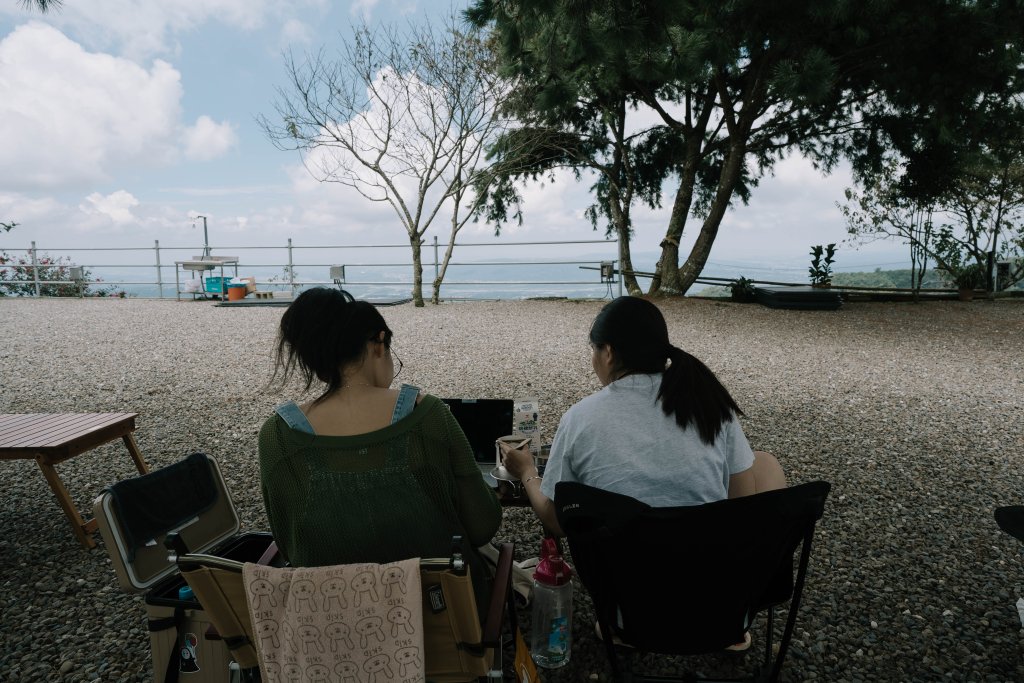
(289, 267)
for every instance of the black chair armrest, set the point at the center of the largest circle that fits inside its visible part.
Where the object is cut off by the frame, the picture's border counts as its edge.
(499, 595)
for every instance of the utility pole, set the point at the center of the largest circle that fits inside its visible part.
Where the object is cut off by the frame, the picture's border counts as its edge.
(206, 239)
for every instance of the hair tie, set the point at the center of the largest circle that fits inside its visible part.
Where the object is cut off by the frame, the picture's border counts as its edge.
(675, 353)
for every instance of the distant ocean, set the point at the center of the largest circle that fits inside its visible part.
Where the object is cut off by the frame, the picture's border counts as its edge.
(494, 280)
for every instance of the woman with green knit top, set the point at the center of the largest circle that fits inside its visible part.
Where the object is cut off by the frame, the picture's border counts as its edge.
(364, 473)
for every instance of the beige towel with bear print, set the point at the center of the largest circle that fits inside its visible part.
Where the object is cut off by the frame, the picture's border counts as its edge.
(354, 623)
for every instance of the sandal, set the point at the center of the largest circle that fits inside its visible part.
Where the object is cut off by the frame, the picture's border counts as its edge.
(741, 646)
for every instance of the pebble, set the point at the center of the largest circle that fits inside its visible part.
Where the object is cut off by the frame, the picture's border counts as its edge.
(911, 411)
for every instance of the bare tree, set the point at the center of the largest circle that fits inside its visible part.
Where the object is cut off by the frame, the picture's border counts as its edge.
(881, 211)
(982, 214)
(403, 117)
(42, 5)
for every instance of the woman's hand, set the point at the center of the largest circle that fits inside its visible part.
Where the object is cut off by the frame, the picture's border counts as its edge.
(519, 463)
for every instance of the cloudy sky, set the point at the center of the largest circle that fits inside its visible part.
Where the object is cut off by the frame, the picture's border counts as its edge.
(122, 119)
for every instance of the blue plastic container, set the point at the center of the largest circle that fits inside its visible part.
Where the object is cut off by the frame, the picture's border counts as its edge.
(216, 285)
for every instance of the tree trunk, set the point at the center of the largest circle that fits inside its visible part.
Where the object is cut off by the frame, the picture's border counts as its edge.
(417, 270)
(620, 217)
(698, 257)
(436, 297)
(620, 199)
(626, 265)
(666, 274)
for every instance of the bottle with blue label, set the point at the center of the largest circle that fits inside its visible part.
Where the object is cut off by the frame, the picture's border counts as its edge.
(551, 631)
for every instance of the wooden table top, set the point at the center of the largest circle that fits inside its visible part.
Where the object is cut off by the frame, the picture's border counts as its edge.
(26, 434)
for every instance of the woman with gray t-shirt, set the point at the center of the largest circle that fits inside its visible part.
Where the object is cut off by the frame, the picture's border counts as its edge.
(663, 429)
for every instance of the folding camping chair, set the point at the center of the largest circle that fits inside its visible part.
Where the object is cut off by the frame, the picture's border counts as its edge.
(690, 580)
(459, 646)
(1011, 520)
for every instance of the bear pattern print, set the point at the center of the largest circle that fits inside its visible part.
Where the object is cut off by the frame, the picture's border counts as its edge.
(356, 623)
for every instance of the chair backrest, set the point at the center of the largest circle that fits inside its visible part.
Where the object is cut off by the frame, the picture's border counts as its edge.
(1011, 520)
(457, 647)
(687, 580)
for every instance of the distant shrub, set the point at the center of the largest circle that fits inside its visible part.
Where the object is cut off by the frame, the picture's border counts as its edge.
(742, 290)
(16, 278)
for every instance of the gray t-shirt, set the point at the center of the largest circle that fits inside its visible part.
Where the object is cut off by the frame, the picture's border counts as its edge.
(621, 440)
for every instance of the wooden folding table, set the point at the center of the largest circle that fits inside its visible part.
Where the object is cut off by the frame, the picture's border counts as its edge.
(50, 438)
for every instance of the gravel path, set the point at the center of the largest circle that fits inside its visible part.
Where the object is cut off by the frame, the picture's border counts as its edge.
(913, 412)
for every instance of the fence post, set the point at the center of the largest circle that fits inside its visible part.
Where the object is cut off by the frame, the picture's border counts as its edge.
(618, 246)
(291, 268)
(436, 271)
(159, 277)
(35, 268)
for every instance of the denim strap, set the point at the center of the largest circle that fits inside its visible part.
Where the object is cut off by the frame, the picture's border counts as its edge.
(294, 417)
(406, 402)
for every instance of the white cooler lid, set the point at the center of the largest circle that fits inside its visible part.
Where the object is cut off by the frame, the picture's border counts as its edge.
(150, 564)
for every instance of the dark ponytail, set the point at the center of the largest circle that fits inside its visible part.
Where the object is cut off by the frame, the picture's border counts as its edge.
(691, 391)
(636, 331)
(322, 331)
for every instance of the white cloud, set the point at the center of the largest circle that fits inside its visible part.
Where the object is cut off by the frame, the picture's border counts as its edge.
(25, 211)
(73, 118)
(208, 139)
(117, 205)
(142, 29)
(363, 8)
(295, 32)
(70, 114)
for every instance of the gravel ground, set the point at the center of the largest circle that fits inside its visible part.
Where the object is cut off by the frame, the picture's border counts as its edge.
(913, 412)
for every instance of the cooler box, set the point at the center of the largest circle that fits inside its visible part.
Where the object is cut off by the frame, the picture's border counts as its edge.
(216, 285)
(134, 516)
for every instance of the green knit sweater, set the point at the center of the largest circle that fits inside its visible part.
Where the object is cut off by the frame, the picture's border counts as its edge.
(399, 492)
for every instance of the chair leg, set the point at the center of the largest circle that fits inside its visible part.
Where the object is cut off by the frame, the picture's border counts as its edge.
(769, 637)
(619, 674)
(794, 606)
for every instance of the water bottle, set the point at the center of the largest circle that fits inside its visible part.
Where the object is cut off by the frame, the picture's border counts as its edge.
(551, 636)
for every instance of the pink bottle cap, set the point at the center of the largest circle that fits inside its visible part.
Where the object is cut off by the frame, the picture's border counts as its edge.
(552, 570)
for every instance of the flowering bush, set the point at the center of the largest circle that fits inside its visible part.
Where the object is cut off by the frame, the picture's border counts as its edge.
(16, 278)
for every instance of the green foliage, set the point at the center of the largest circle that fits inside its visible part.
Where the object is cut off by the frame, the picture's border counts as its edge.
(899, 279)
(16, 278)
(977, 214)
(742, 290)
(971, 276)
(821, 264)
(733, 87)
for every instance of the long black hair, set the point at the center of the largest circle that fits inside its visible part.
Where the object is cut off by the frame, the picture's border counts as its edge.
(636, 331)
(323, 330)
